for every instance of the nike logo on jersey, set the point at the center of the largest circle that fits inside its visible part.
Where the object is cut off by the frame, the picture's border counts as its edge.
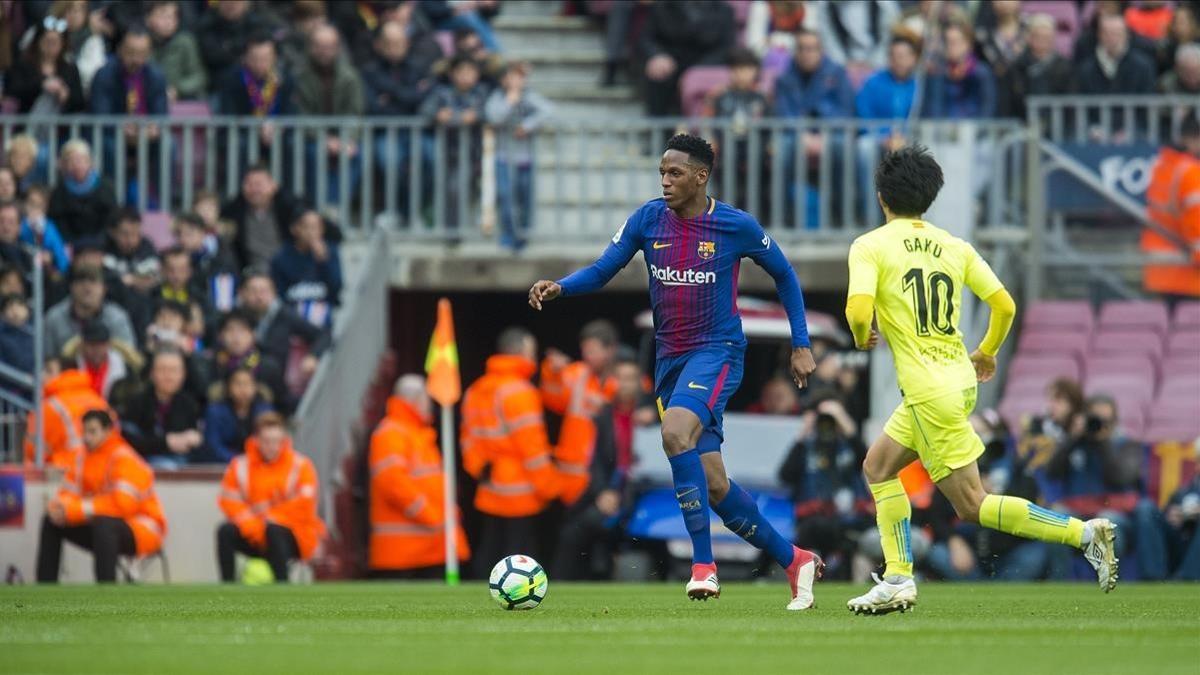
(658, 244)
(693, 385)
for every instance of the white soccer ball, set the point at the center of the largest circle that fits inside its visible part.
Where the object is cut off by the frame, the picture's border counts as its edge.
(518, 582)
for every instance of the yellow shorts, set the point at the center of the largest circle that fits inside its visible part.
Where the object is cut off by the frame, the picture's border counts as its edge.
(939, 431)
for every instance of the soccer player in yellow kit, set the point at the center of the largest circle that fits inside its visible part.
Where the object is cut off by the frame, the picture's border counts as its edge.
(910, 274)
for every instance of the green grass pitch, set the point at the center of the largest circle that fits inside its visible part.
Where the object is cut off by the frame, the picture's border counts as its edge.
(591, 628)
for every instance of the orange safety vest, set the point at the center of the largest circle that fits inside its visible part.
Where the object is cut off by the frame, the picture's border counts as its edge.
(67, 398)
(407, 511)
(255, 492)
(1173, 202)
(113, 480)
(578, 394)
(503, 431)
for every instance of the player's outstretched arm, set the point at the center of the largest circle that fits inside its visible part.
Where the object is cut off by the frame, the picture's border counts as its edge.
(625, 243)
(1004, 310)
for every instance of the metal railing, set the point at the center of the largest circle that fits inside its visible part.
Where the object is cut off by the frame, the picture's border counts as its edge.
(1109, 119)
(332, 403)
(802, 178)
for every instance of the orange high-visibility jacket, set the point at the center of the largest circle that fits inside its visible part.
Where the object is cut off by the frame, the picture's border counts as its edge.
(67, 398)
(407, 512)
(113, 480)
(256, 492)
(1173, 202)
(504, 443)
(578, 394)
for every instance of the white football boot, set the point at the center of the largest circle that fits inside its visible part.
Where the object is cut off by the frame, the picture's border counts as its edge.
(1101, 552)
(885, 597)
(704, 584)
(805, 569)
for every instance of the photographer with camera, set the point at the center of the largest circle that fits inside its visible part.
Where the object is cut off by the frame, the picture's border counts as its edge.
(822, 472)
(1096, 470)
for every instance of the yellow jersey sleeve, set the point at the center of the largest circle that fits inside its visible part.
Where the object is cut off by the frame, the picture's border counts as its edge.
(978, 274)
(864, 274)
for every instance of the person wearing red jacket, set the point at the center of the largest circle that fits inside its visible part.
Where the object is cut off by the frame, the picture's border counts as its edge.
(407, 510)
(269, 495)
(106, 505)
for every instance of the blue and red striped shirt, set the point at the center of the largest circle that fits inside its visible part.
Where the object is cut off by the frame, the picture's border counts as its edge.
(693, 268)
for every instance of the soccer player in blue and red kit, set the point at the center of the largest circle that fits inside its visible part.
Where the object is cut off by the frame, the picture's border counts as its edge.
(693, 246)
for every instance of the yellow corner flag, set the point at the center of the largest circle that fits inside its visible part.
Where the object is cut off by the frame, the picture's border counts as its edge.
(441, 364)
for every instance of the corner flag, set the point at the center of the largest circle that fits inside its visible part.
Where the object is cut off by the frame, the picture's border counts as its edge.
(445, 386)
(441, 363)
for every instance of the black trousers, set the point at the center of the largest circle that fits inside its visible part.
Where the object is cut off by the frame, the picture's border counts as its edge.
(104, 536)
(500, 537)
(281, 549)
(584, 550)
(414, 573)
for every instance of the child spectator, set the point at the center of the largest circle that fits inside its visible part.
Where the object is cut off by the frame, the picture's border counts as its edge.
(468, 45)
(457, 107)
(163, 421)
(82, 203)
(740, 103)
(517, 113)
(212, 264)
(41, 231)
(229, 420)
(176, 53)
(308, 271)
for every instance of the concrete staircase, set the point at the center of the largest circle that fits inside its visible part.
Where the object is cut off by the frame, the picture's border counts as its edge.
(594, 182)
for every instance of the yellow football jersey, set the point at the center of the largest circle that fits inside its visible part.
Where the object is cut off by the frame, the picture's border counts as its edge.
(916, 273)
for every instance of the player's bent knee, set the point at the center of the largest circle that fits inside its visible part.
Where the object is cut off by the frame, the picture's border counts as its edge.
(678, 434)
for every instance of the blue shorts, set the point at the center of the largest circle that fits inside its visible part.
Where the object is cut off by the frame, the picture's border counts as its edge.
(701, 381)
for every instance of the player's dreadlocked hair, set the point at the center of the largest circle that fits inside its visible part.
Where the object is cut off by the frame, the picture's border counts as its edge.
(908, 180)
(695, 147)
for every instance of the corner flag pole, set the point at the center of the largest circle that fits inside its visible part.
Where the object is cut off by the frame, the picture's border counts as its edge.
(445, 386)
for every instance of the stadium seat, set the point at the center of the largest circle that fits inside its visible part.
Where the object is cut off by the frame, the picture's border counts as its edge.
(1128, 342)
(156, 226)
(1187, 314)
(1061, 314)
(1184, 431)
(1185, 341)
(1182, 386)
(1182, 364)
(1054, 341)
(1029, 384)
(1132, 420)
(696, 84)
(1120, 385)
(1142, 314)
(1048, 365)
(1138, 365)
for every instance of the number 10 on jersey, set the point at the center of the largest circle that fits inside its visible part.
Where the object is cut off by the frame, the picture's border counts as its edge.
(933, 300)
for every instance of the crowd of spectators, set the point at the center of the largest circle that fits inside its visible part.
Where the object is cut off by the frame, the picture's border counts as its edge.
(432, 59)
(838, 59)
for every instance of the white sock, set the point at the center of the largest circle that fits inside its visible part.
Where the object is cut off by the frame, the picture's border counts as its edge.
(1086, 538)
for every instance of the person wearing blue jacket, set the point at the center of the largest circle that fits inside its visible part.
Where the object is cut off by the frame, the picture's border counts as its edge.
(813, 86)
(37, 198)
(229, 421)
(886, 95)
(308, 272)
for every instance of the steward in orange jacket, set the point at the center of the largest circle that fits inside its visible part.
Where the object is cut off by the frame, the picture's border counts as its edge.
(67, 397)
(106, 504)
(407, 510)
(269, 495)
(505, 448)
(1173, 203)
(578, 391)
